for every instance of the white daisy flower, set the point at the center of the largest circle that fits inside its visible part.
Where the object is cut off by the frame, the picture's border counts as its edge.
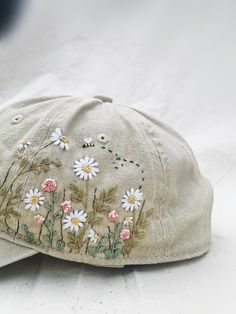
(58, 138)
(33, 199)
(86, 168)
(132, 200)
(23, 144)
(74, 220)
(93, 236)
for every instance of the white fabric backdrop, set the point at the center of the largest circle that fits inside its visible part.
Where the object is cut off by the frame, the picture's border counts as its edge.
(175, 59)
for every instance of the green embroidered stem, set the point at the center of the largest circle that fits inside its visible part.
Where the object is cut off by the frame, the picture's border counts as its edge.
(40, 233)
(7, 174)
(53, 216)
(109, 238)
(86, 194)
(95, 213)
(17, 227)
(6, 223)
(50, 219)
(94, 200)
(45, 223)
(87, 245)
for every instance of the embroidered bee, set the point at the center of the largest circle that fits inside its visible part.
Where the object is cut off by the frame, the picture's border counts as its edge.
(88, 142)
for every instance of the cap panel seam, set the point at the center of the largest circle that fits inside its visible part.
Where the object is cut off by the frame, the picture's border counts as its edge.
(162, 202)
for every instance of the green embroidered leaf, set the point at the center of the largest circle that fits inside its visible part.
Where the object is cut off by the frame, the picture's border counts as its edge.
(110, 195)
(116, 252)
(77, 195)
(57, 215)
(103, 240)
(140, 235)
(47, 238)
(56, 163)
(44, 168)
(19, 189)
(55, 196)
(71, 236)
(29, 236)
(48, 206)
(48, 223)
(72, 246)
(24, 227)
(45, 161)
(104, 198)
(95, 221)
(104, 209)
(24, 161)
(60, 245)
(91, 250)
(3, 191)
(108, 253)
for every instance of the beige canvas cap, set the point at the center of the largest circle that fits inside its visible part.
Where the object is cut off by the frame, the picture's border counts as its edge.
(91, 181)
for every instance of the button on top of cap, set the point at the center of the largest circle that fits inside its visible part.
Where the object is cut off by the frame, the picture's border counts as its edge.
(104, 98)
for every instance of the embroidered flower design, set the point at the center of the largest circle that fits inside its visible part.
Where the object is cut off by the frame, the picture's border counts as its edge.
(132, 200)
(33, 200)
(74, 220)
(66, 206)
(88, 142)
(93, 236)
(86, 168)
(102, 138)
(125, 234)
(113, 216)
(128, 220)
(49, 185)
(23, 144)
(39, 219)
(58, 138)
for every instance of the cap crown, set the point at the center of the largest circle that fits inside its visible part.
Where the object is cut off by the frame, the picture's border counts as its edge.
(91, 181)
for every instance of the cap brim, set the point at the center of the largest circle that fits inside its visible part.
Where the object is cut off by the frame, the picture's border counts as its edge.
(10, 252)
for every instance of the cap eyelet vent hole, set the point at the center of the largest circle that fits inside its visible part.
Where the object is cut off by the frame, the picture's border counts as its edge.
(17, 119)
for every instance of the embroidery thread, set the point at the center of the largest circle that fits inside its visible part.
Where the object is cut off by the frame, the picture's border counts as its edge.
(68, 218)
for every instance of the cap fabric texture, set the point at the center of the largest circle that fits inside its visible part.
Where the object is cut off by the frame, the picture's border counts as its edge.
(90, 181)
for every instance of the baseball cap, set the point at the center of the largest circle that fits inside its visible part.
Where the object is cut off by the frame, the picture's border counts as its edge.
(95, 182)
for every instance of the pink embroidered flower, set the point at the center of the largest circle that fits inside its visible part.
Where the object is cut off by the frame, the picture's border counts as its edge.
(66, 206)
(39, 219)
(125, 234)
(113, 216)
(49, 185)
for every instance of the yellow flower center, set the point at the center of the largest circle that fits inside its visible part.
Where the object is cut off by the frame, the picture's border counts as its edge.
(86, 168)
(63, 139)
(75, 221)
(23, 142)
(131, 199)
(34, 200)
